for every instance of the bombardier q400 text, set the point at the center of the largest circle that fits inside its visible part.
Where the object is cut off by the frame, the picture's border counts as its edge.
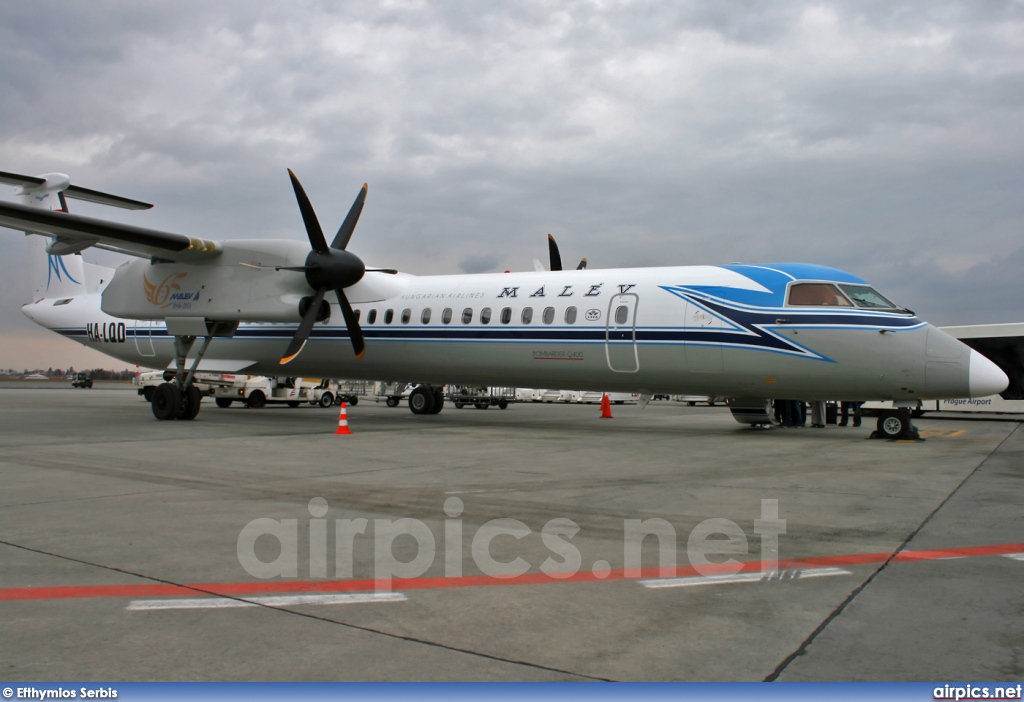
(747, 332)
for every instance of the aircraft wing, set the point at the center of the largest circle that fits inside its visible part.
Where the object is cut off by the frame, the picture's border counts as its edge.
(74, 233)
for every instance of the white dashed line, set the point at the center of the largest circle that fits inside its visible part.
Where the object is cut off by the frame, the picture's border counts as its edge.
(268, 601)
(767, 576)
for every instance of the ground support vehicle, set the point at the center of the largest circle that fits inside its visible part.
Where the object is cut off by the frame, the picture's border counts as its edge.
(480, 397)
(81, 380)
(148, 382)
(392, 393)
(256, 391)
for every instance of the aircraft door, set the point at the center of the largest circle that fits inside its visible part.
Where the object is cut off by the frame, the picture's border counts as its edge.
(620, 334)
(144, 338)
(703, 343)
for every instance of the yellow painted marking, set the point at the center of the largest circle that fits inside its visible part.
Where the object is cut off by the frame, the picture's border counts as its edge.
(941, 432)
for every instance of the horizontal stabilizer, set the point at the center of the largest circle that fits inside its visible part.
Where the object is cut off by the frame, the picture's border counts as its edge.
(76, 192)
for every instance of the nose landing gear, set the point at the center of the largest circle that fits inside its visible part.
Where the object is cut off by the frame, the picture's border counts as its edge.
(896, 424)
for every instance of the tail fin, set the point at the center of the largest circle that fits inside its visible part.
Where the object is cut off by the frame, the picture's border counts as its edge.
(59, 276)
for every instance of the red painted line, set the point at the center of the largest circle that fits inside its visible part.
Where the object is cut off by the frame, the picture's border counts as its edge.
(266, 587)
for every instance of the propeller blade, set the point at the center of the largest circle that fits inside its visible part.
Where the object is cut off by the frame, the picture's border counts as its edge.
(305, 327)
(313, 230)
(352, 323)
(583, 264)
(349, 225)
(389, 271)
(556, 258)
(300, 269)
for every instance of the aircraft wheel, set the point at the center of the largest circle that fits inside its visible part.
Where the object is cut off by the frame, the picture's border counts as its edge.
(502, 404)
(167, 401)
(421, 401)
(438, 401)
(893, 424)
(326, 400)
(190, 403)
(147, 393)
(257, 399)
(392, 402)
(223, 402)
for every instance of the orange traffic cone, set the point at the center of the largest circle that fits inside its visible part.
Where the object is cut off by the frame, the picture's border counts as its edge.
(343, 421)
(606, 407)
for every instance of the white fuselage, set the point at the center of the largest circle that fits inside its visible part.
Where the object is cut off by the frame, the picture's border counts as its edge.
(705, 330)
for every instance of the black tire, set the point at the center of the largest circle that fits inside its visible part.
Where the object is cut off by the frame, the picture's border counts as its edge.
(481, 405)
(458, 405)
(256, 400)
(692, 404)
(88, 383)
(893, 424)
(167, 402)
(191, 401)
(421, 401)
(502, 404)
(293, 403)
(224, 402)
(353, 400)
(438, 401)
(392, 402)
(326, 400)
(147, 393)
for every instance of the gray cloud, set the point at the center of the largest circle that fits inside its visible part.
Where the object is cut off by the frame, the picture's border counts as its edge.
(880, 137)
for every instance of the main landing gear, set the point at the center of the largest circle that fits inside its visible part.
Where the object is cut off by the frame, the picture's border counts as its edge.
(179, 398)
(896, 424)
(426, 399)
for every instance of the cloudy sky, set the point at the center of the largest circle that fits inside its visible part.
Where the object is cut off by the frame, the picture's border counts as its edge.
(882, 137)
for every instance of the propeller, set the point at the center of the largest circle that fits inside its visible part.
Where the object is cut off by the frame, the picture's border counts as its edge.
(328, 268)
(556, 258)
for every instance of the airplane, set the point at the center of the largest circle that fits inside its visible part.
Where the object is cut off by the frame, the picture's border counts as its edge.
(750, 332)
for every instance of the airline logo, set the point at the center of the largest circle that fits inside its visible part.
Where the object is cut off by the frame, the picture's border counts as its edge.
(57, 268)
(168, 291)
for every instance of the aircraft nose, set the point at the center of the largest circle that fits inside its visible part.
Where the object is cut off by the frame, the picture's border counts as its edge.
(984, 377)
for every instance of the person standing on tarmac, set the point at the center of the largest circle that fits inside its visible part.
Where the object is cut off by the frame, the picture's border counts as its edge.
(847, 406)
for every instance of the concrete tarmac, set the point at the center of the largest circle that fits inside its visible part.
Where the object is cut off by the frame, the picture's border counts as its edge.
(120, 543)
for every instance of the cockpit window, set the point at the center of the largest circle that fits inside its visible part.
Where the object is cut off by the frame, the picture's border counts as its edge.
(865, 296)
(817, 295)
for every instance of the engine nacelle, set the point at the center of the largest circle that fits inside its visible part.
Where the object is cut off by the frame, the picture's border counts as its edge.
(217, 289)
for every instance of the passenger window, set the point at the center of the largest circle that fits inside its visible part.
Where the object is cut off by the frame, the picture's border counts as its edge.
(817, 295)
(549, 315)
(406, 315)
(467, 315)
(485, 315)
(506, 315)
(622, 314)
(570, 315)
(446, 316)
(371, 316)
(425, 317)
(527, 315)
(389, 317)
